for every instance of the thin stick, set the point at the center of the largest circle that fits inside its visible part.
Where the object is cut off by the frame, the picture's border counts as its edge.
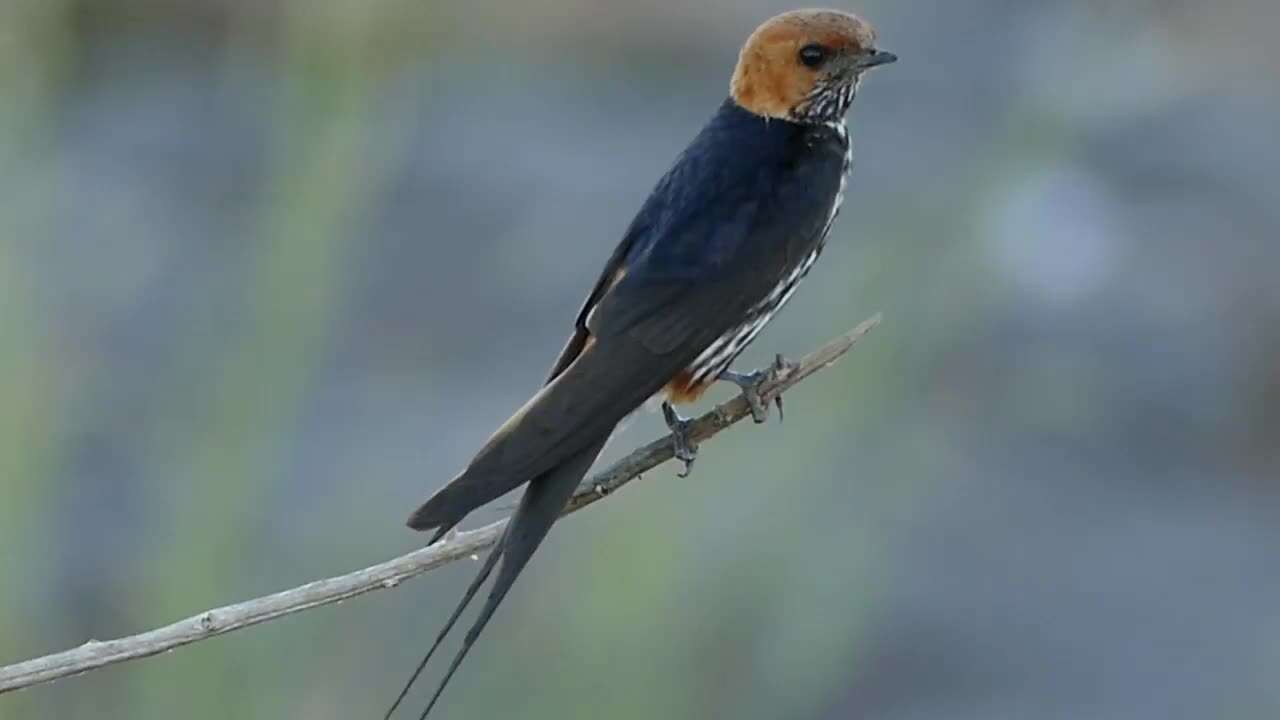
(95, 654)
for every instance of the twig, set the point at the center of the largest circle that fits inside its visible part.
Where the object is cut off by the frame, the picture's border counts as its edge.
(95, 654)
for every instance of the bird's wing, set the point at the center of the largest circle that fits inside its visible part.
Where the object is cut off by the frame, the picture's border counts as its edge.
(645, 321)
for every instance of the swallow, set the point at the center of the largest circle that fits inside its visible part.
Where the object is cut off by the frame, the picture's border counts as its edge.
(718, 247)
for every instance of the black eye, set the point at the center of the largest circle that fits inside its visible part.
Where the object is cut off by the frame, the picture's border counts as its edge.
(813, 55)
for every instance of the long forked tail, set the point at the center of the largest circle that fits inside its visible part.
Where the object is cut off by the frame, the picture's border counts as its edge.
(453, 619)
(543, 501)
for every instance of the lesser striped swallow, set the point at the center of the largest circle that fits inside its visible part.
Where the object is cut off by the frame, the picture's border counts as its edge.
(719, 246)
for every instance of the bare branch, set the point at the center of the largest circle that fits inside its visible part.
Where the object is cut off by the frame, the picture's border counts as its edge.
(95, 654)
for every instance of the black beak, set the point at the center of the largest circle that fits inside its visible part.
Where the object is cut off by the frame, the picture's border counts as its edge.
(874, 58)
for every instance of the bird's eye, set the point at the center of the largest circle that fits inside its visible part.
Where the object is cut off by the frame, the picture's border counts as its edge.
(813, 55)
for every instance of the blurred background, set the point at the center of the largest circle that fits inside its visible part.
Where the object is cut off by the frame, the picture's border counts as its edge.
(271, 270)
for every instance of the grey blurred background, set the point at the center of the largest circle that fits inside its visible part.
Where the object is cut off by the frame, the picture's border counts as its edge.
(270, 270)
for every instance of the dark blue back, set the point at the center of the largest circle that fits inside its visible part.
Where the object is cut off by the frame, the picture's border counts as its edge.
(746, 192)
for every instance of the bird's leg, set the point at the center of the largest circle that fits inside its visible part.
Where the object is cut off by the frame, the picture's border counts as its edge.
(751, 382)
(686, 450)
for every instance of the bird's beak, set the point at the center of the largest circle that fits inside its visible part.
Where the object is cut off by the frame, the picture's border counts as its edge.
(874, 58)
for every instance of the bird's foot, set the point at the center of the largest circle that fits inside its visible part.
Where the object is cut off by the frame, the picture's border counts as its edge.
(686, 450)
(750, 384)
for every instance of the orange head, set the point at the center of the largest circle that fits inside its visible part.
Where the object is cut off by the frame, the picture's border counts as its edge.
(805, 65)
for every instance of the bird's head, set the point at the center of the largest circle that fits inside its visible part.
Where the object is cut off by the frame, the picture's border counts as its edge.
(805, 65)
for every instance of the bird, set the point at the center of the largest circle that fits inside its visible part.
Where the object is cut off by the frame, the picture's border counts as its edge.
(718, 247)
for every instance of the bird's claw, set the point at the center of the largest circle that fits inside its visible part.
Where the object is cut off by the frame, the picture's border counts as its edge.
(750, 384)
(685, 449)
